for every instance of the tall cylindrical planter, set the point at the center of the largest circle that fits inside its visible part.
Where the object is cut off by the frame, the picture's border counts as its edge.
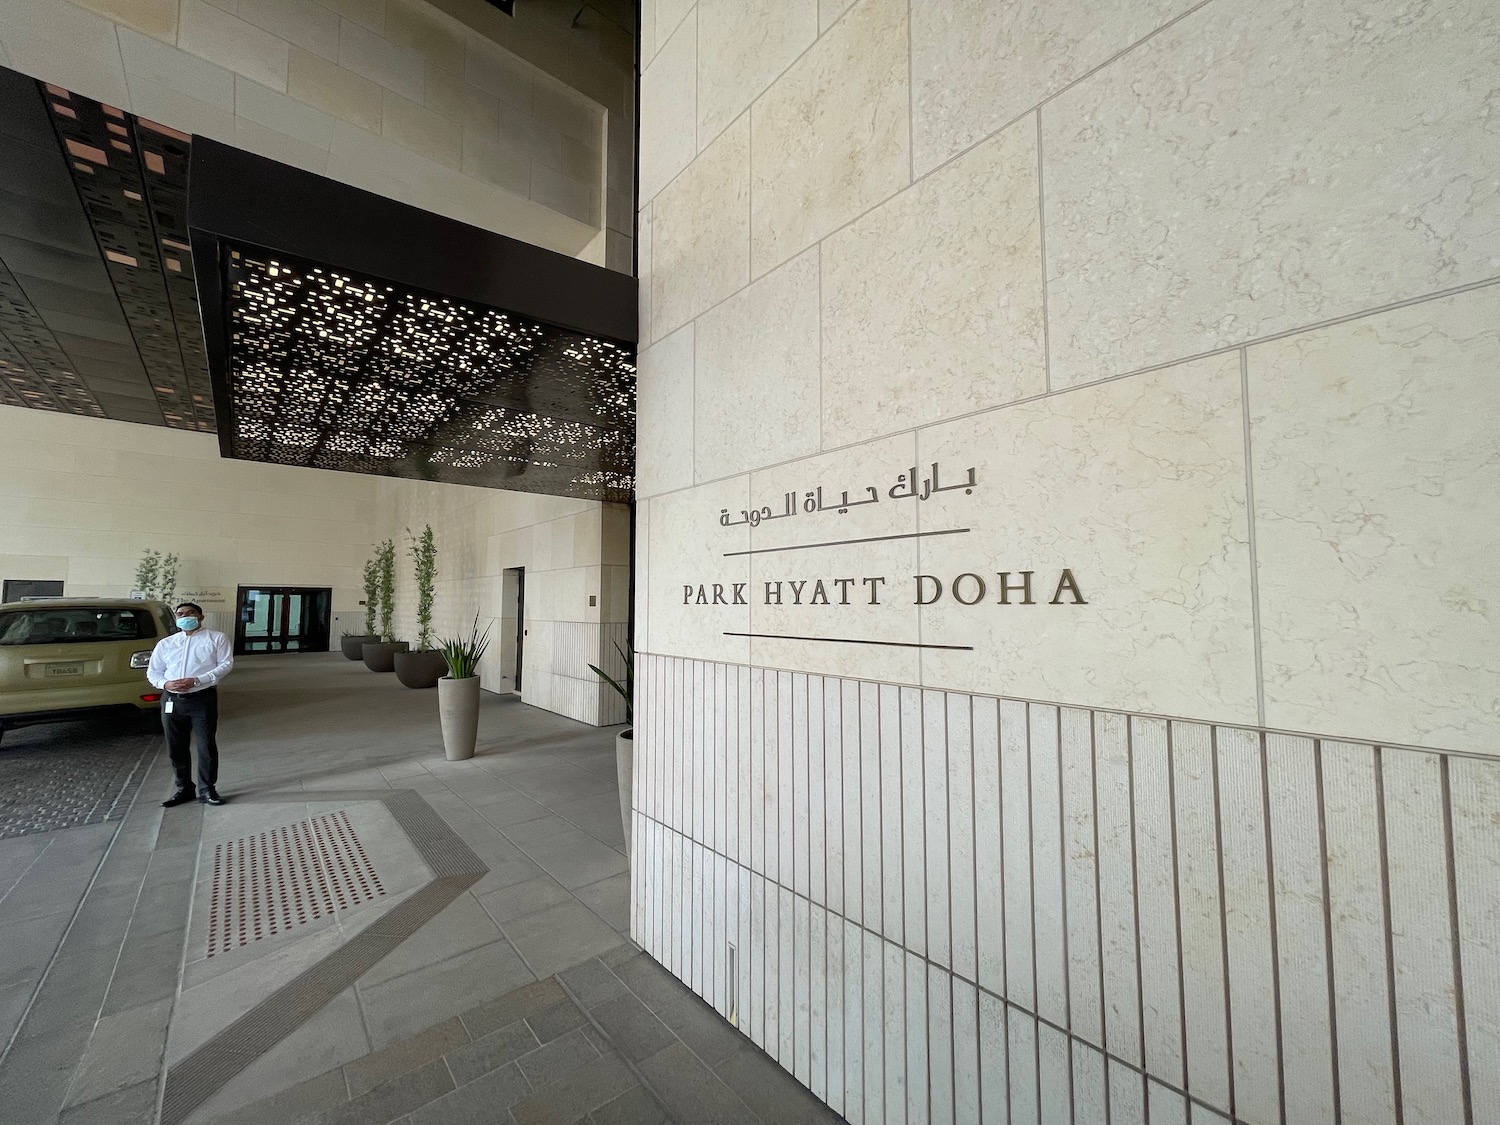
(625, 773)
(458, 710)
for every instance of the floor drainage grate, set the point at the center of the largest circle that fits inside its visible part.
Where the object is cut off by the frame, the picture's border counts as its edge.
(269, 882)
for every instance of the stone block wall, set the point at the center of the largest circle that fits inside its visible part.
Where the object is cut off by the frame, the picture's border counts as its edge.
(1065, 370)
(577, 584)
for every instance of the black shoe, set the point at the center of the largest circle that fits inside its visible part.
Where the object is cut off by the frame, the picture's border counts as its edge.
(212, 798)
(181, 797)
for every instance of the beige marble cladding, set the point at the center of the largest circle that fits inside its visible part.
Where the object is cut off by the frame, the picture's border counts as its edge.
(1259, 167)
(1376, 447)
(669, 115)
(571, 551)
(700, 249)
(742, 46)
(829, 11)
(756, 383)
(955, 888)
(977, 65)
(687, 549)
(830, 138)
(1138, 487)
(664, 405)
(1128, 260)
(932, 302)
(855, 611)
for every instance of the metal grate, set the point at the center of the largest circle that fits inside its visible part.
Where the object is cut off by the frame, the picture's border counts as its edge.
(269, 882)
(334, 370)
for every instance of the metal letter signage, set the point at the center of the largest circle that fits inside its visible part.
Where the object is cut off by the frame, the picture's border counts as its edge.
(972, 588)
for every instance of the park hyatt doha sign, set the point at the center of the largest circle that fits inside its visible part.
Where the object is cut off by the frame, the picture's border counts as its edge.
(822, 585)
(1009, 588)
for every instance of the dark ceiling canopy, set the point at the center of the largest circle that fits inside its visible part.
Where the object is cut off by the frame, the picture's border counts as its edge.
(348, 331)
(98, 313)
(338, 371)
(308, 322)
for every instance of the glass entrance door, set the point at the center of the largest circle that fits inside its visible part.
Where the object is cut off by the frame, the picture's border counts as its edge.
(282, 619)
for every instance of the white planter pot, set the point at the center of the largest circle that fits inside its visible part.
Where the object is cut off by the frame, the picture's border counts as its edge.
(458, 711)
(625, 772)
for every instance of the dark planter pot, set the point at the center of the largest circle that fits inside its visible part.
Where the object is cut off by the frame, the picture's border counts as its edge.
(421, 669)
(353, 644)
(380, 656)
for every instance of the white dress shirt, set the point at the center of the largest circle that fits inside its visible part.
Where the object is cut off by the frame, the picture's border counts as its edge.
(204, 655)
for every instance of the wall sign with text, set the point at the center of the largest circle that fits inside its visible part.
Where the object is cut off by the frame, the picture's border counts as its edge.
(818, 592)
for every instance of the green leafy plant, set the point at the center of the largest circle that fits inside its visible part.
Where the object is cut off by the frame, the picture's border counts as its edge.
(372, 593)
(386, 561)
(627, 689)
(167, 586)
(423, 554)
(156, 575)
(463, 654)
(146, 572)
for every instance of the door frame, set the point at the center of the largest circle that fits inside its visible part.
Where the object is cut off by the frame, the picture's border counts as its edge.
(321, 631)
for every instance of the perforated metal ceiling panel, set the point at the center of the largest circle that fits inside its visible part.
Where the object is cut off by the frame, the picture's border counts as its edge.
(348, 331)
(335, 371)
(98, 314)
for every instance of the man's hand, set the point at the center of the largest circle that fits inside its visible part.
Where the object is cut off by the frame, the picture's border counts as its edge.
(185, 684)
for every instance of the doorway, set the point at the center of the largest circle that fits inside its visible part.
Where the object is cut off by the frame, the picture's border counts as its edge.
(282, 619)
(512, 627)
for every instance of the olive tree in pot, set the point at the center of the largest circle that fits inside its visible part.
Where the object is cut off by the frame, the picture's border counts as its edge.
(352, 644)
(458, 692)
(424, 667)
(380, 656)
(624, 741)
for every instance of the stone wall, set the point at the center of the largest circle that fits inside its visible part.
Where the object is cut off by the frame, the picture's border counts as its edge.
(577, 585)
(1163, 338)
(81, 499)
(393, 96)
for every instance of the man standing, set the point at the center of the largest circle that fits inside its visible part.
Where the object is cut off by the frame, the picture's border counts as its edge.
(187, 666)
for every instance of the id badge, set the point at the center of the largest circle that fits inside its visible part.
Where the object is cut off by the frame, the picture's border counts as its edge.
(167, 707)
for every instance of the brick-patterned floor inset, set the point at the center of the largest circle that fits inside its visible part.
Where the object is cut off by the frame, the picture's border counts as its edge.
(267, 883)
(71, 774)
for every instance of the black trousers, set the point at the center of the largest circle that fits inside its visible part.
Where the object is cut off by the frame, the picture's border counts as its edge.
(195, 713)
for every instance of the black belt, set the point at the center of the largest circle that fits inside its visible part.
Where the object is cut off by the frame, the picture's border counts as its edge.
(174, 695)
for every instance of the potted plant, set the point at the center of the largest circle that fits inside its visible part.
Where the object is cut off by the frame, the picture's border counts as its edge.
(458, 692)
(353, 644)
(624, 741)
(380, 655)
(424, 667)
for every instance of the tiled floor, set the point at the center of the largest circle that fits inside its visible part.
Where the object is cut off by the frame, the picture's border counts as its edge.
(492, 974)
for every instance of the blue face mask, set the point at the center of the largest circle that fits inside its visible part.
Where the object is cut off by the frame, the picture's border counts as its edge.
(188, 624)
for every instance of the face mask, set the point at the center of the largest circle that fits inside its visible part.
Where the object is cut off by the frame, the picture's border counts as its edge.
(188, 624)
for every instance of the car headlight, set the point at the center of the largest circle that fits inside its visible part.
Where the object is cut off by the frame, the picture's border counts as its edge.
(140, 659)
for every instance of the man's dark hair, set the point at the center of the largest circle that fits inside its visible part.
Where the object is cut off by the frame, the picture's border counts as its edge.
(194, 606)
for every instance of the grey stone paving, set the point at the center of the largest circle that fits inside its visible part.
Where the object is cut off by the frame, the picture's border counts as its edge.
(67, 775)
(580, 1048)
(105, 992)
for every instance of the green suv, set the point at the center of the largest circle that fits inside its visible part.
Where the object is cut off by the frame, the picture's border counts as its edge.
(68, 658)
